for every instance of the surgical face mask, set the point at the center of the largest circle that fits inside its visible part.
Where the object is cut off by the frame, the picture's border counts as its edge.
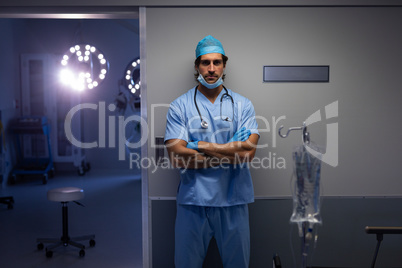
(207, 85)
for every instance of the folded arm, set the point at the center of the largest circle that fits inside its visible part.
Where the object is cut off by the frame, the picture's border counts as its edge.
(182, 157)
(211, 154)
(235, 152)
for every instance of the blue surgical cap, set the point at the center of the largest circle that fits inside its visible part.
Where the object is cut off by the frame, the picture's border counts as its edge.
(209, 45)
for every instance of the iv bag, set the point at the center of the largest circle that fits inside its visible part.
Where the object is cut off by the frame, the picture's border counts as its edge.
(306, 193)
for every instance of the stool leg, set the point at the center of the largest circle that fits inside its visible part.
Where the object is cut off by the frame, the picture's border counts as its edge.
(76, 244)
(65, 237)
(379, 239)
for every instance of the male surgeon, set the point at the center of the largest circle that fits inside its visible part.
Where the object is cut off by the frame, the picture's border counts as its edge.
(211, 135)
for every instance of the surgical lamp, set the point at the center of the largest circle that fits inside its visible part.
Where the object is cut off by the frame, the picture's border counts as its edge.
(84, 67)
(132, 77)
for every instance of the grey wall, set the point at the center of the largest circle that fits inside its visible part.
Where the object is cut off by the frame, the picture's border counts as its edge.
(361, 46)
(118, 40)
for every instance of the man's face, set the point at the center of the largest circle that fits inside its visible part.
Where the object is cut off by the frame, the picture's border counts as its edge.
(211, 67)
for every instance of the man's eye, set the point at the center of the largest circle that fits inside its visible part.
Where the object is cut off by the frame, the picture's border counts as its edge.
(205, 62)
(217, 62)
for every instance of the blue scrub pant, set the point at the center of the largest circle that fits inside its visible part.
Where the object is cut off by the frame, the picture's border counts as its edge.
(196, 225)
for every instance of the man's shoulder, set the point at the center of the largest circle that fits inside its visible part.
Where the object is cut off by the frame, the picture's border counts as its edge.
(238, 97)
(184, 98)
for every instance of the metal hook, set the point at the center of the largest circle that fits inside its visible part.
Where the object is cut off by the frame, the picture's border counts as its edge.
(289, 130)
(306, 135)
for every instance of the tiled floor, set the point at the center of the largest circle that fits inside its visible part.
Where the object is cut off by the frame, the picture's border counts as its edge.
(112, 212)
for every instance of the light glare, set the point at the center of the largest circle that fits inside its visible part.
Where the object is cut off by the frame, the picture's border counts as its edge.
(66, 76)
(81, 64)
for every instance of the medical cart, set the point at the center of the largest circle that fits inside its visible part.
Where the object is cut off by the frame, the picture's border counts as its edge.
(32, 141)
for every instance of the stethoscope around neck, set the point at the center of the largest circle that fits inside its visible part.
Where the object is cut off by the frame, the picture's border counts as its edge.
(204, 124)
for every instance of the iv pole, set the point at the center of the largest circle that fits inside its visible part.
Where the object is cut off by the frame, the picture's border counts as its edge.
(305, 228)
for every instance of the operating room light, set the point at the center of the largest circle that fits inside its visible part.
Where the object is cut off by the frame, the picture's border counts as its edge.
(83, 67)
(132, 77)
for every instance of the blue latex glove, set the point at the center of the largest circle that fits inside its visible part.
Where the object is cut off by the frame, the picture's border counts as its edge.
(241, 135)
(192, 145)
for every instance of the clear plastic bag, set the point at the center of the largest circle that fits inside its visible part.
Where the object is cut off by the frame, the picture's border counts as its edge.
(306, 191)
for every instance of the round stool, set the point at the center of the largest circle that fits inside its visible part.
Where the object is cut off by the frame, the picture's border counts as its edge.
(65, 195)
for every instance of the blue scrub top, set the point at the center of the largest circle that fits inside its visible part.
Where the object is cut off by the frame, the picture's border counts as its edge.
(228, 184)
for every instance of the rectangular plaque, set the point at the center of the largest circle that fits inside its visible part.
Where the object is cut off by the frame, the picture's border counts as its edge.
(307, 73)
